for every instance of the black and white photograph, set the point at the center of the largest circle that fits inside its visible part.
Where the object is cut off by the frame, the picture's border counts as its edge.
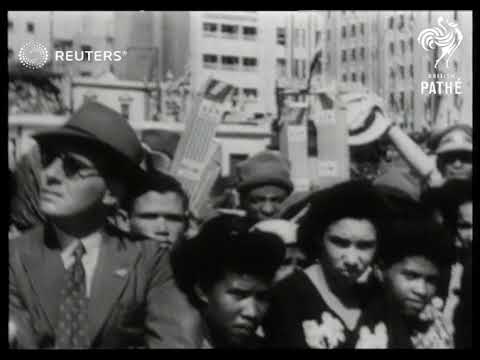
(240, 179)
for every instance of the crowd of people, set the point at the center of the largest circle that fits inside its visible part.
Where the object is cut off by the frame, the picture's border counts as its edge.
(103, 252)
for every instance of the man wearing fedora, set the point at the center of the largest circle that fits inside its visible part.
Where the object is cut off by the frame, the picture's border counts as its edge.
(78, 281)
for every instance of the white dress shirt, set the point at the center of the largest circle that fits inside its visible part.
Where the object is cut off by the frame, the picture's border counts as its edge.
(92, 245)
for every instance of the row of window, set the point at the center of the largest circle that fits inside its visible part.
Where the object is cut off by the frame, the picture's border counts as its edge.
(397, 102)
(354, 77)
(400, 25)
(353, 30)
(229, 62)
(403, 46)
(229, 31)
(353, 52)
(30, 26)
(401, 72)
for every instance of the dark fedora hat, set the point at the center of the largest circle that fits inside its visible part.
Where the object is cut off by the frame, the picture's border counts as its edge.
(103, 129)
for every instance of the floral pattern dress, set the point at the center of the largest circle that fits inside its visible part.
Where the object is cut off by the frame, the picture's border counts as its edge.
(299, 317)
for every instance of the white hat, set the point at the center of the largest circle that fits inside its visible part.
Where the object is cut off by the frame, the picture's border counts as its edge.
(284, 229)
(364, 116)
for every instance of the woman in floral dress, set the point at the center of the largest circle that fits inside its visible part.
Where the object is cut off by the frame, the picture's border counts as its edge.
(336, 302)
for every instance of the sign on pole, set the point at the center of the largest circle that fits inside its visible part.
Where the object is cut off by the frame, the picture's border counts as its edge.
(195, 146)
(332, 162)
(293, 140)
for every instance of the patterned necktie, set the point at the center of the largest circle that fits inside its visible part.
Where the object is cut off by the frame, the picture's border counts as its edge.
(72, 327)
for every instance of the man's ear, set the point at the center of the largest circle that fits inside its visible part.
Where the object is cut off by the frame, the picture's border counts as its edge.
(200, 294)
(115, 193)
(109, 199)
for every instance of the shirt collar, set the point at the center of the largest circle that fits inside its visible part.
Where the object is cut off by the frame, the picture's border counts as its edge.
(68, 243)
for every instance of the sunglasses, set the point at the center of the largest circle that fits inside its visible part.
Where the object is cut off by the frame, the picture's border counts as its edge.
(452, 156)
(71, 165)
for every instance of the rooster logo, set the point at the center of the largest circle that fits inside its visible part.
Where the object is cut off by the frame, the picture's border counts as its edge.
(447, 40)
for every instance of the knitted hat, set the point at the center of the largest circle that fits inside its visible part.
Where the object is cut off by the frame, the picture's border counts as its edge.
(265, 168)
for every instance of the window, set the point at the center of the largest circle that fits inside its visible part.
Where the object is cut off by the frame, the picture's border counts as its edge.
(10, 24)
(402, 72)
(402, 22)
(412, 100)
(250, 93)
(455, 15)
(249, 32)
(281, 67)
(295, 68)
(10, 53)
(411, 71)
(410, 43)
(392, 101)
(318, 37)
(353, 55)
(281, 36)
(125, 110)
(362, 78)
(344, 32)
(402, 46)
(429, 66)
(85, 73)
(229, 31)
(328, 35)
(30, 27)
(353, 31)
(362, 29)
(344, 77)
(83, 49)
(304, 68)
(392, 48)
(344, 55)
(402, 100)
(392, 74)
(210, 61)
(210, 29)
(297, 37)
(354, 77)
(390, 22)
(362, 53)
(230, 62)
(63, 45)
(249, 63)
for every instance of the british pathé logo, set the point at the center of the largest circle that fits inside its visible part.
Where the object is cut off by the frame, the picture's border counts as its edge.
(33, 55)
(446, 38)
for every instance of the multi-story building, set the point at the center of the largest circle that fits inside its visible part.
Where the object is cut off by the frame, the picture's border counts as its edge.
(62, 30)
(379, 50)
(237, 47)
(26, 26)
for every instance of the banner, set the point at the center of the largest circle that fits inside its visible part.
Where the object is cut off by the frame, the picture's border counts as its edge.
(293, 140)
(193, 153)
(332, 162)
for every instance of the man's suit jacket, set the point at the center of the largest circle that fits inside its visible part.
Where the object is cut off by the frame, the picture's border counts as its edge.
(134, 301)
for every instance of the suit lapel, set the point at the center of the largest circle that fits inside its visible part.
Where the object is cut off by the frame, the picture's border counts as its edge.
(45, 270)
(114, 267)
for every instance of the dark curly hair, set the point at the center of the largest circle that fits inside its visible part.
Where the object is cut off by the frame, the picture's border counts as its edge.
(418, 237)
(225, 244)
(448, 198)
(356, 199)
